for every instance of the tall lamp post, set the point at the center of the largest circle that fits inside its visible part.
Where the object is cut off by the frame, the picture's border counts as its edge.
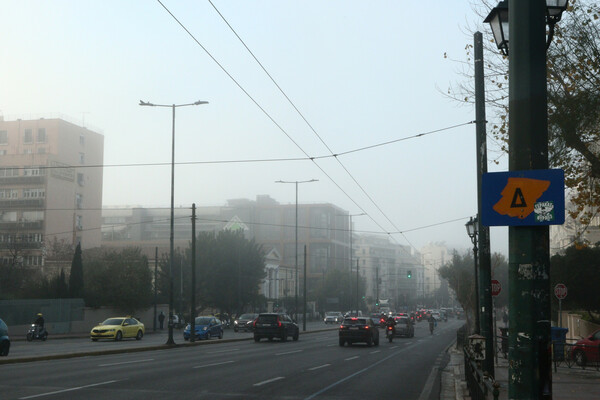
(351, 252)
(530, 373)
(473, 230)
(296, 253)
(171, 235)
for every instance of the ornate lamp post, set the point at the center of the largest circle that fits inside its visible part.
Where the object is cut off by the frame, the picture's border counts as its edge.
(473, 231)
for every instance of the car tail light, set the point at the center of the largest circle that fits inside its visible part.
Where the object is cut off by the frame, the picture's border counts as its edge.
(279, 324)
(254, 323)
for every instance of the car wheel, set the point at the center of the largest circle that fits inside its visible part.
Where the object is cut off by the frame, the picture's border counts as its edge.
(139, 335)
(270, 338)
(4, 348)
(257, 338)
(376, 342)
(44, 336)
(29, 337)
(579, 357)
(341, 342)
(369, 341)
(220, 334)
(94, 340)
(118, 336)
(235, 329)
(284, 336)
(296, 335)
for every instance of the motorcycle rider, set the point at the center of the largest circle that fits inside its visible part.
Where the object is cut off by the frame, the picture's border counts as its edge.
(431, 323)
(39, 323)
(391, 322)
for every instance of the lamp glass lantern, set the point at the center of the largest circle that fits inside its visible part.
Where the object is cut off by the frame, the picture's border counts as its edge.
(472, 227)
(498, 20)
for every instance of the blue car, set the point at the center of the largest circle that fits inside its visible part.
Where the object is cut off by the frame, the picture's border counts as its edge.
(206, 327)
(4, 340)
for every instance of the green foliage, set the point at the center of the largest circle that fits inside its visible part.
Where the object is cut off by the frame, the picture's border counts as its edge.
(339, 284)
(459, 273)
(117, 278)
(76, 277)
(579, 269)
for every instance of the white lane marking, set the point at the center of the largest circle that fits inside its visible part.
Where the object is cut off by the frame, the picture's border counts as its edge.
(393, 347)
(331, 345)
(352, 358)
(319, 367)
(126, 362)
(66, 390)
(288, 352)
(213, 364)
(269, 381)
(222, 351)
(376, 351)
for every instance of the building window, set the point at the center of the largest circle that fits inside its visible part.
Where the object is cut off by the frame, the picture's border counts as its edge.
(35, 171)
(39, 193)
(8, 216)
(81, 158)
(28, 138)
(42, 150)
(3, 137)
(41, 135)
(81, 140)
(32, 216)
(8, 193)
(79, 201)
(27, 151)
(79, 222)
(6, 172)
(2, 152)
(80, 180)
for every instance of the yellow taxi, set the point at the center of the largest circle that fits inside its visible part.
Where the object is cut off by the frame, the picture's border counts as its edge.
(118, 328)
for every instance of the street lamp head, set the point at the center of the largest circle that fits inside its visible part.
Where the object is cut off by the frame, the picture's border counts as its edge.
(146, 103)
(200, 102)
(498, 20)
(472, 227)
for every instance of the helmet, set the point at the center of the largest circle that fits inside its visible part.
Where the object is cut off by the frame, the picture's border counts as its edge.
(39, 314)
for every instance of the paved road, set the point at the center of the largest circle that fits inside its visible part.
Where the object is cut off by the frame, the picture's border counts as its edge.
(313, 367)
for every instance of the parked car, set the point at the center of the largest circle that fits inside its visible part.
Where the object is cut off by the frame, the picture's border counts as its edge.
(4, 339)
(275, 325)
(586, 350)
(118, 328)
(245, 322)
(333, 317)
(404, 327)
(205, 328)
(358, 329)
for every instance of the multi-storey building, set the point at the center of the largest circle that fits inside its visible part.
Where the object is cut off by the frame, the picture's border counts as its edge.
(323, 228)
(50, 188)
(390, 270)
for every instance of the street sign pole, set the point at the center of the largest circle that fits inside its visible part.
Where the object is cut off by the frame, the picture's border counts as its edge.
(560, 291)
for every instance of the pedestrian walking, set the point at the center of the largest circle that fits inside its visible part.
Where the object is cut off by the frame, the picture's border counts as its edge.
(161, 319)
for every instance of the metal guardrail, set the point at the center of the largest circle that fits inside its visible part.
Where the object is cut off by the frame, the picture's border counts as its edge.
(480, 384)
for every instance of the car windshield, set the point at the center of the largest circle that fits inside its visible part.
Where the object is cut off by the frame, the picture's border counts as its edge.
(332, 313)
(113, 321)
(269, 318)
(247, 316)
(202, 321)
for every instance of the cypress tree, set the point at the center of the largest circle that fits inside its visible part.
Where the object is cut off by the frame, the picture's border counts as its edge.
(76, 277)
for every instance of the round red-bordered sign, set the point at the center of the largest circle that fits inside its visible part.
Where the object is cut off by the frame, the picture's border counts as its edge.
(496, 287)
(560, 291)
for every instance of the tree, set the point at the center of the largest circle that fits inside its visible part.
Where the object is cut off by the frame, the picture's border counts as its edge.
(578, 270)
(459, 272)
(76, 276)
(337, 291)
(573, 61)
(117, 278)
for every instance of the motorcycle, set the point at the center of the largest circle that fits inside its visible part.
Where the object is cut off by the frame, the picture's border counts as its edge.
(389, 333)
(35, 332)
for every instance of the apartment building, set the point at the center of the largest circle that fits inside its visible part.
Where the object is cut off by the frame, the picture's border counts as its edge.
(50, 188)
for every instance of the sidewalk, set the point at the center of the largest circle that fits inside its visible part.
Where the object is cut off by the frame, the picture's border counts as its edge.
(567, 383)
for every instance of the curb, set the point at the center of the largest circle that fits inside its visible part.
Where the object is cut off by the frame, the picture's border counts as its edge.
(132, 350)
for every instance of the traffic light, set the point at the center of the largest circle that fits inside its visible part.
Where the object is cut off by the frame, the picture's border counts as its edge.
(409, 274)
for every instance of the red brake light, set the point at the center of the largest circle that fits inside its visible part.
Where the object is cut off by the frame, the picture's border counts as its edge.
(279, 322)
(254, 322)
(354, 319)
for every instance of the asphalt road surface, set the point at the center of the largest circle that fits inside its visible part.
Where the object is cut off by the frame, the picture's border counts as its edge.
(313, 367)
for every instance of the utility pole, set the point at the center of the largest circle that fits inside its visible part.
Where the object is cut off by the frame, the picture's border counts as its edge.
(155, 284)
(486, 328)
(529, 246)
(304, 319)
(357, 296)
(193, 295)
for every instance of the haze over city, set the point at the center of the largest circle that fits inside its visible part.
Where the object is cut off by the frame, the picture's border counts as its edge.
(360, 73)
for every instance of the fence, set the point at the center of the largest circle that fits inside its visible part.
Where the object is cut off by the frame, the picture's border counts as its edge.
(479, 383)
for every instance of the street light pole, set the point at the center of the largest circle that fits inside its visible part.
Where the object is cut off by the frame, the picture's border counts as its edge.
(170, 340)
(472, 230)
(296, 252)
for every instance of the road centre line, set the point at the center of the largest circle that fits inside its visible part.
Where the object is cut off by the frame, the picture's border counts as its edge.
(125, 362)
(376, 351)
(289, 352)
(213, 364)
(222, 351)
(393, 347)
(269, 381)
(66, 390)
(319, 367)
(352, 358)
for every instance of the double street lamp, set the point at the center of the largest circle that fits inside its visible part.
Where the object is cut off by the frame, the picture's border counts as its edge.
(171, 235)
(296, 253)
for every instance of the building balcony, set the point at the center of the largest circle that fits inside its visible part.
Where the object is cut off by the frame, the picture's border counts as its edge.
(22, 203)
(22, 226)
(22, 180)
(20, 245)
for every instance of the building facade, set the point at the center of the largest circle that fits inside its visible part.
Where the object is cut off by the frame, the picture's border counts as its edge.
(48, 189)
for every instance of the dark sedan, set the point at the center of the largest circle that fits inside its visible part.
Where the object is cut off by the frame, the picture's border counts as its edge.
(404, 327)
(275, 325)
(245, 322)
(358, 329)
